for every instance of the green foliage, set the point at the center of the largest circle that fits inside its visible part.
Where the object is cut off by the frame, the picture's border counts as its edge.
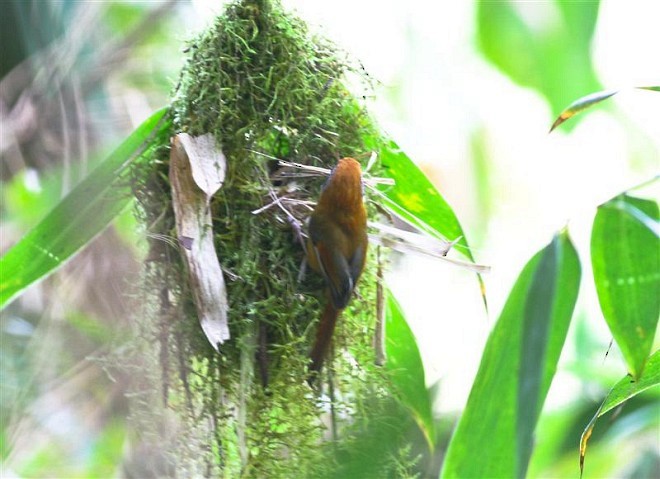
(624, 390)
(407, 370)
(416, 200)
(495, 433)
(625, 252)
(627, 387)
(77, 219)
(580, 105)
(586, 102)
(379, 446)
(541, 57)
(265, 88)
(105, 453)
(625, 255)
(123, 16)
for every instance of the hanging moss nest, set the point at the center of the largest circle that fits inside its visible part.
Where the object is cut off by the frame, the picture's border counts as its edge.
(266, 89)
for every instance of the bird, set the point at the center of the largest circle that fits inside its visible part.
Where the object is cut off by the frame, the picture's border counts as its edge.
(337, 248)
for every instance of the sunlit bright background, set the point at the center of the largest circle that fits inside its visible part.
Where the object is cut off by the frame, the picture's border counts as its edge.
(484, 142)
(437, 96)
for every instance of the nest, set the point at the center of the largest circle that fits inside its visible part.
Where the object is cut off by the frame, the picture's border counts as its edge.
(265, 88)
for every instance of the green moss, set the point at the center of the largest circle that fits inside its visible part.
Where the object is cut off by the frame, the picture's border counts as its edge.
(265, 87)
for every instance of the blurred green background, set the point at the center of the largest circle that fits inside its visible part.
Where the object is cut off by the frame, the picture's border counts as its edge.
(468, 89)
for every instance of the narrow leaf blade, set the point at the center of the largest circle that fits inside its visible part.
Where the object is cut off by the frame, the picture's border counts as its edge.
(84, 213)
(493, 437)
(417, 201)
(586, 102)
(582, 104)
(627, 387)
(406, 368)
(623, 390)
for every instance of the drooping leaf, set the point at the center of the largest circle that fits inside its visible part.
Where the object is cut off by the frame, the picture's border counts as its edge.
(586, 102)
(414, 199)
(406, 368)
(197, 171)
(582, 104)
(494, 436)
(625, 389)
(84, 213)
(625, 253)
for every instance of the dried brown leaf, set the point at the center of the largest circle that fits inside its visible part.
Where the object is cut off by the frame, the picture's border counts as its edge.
(197, 170)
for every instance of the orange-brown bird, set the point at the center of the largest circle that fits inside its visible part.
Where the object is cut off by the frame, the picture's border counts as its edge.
(337, 247)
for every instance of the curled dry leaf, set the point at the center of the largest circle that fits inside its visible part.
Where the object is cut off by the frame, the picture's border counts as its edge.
(197, 171)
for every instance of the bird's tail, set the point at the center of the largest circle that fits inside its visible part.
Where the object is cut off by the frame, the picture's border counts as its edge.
(324, 333)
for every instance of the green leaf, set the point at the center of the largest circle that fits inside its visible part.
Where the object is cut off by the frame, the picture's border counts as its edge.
(406, 368)
(416, 200)
(84, 213)
(587, 101)
(494, 436)
(27, 197)
(627, 387)
(552, 56)
(625, 253)
(582, 104)
(107, 450)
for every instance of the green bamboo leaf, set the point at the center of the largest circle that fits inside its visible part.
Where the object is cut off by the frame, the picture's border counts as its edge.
(586, 102)
(494, 436)
(623, 390)
(84, 213)
(625, 253)
(582, 104)
(556, 59)
(416, 200)
(407, 370)
(627, 387)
